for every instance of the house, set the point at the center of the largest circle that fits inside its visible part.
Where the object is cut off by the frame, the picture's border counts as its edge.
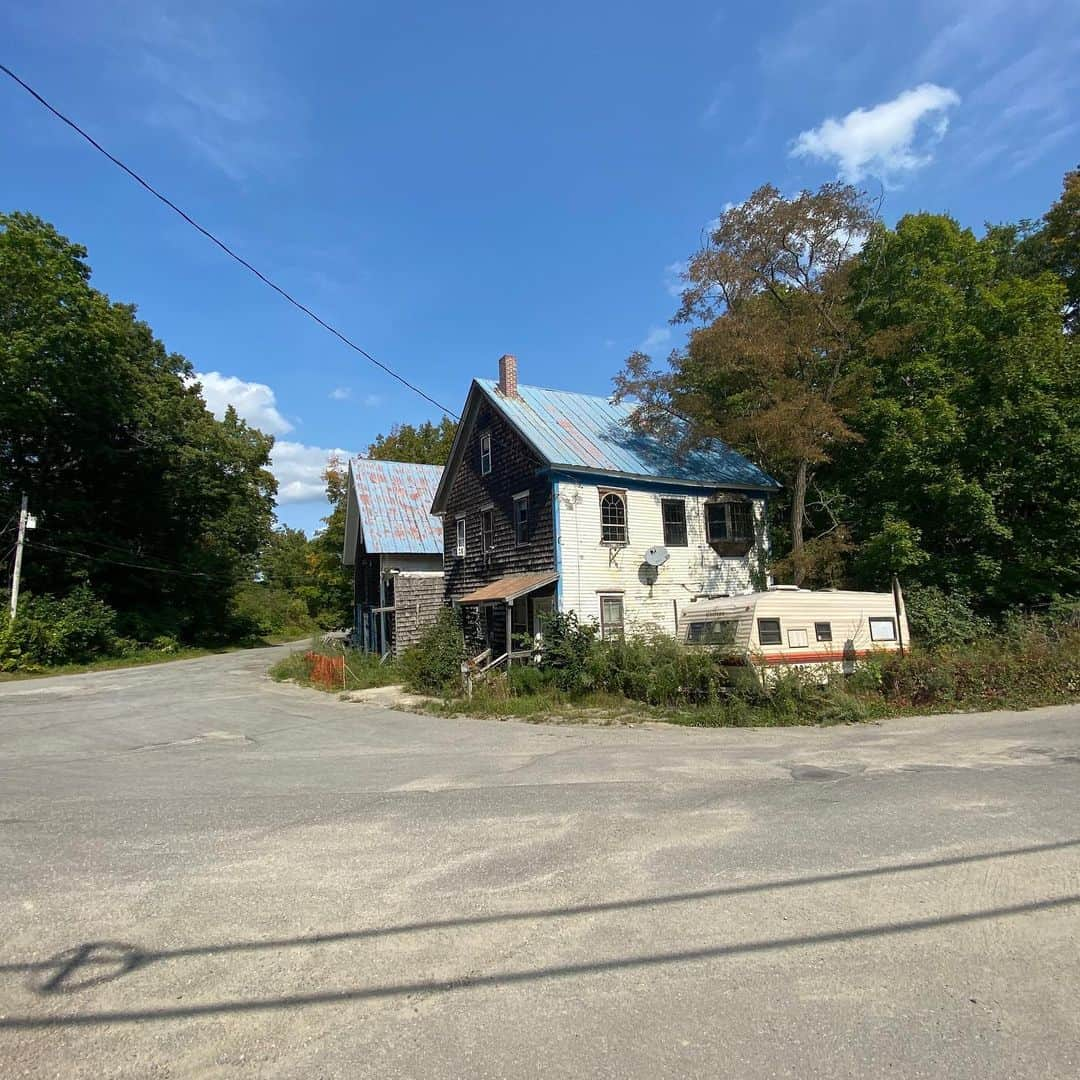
(395, 547)
(553, 501)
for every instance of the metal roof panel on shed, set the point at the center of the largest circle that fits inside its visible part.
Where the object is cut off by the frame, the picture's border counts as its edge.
(589, 433)
(394, 501)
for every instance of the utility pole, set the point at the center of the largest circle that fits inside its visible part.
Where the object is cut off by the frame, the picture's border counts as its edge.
(19, 545)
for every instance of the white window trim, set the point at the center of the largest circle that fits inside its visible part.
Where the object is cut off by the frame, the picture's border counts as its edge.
(611, 594)
(460, 536)
(602, 494)
(485, 444)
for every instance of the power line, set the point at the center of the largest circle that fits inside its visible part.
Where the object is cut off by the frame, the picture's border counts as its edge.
(131, 565)
(221, 244)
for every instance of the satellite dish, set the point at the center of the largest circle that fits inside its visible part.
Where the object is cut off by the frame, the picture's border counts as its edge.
(657, 556)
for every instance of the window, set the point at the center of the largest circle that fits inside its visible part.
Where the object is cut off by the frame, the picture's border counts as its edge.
(768, 632)
(673, 512)
(460, 549)
(485, 454)
(882, 629)
(487, 531)
(611, 617)
(521, 519)
(823, 631)
(729, 522)
(612, 517)
(712, 632)
(797, 638)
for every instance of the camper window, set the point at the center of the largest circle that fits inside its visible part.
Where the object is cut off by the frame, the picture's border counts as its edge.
(712, 632)
(882, 630)
(823, 631)
(798, 638)
(768, 632)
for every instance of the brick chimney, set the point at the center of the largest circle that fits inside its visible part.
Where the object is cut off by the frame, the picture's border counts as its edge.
(508, 376)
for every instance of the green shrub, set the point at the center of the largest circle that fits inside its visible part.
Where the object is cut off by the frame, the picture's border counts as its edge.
(49, 631)
(528, 679)
(433, 664)
(568, 644)
(938, 618)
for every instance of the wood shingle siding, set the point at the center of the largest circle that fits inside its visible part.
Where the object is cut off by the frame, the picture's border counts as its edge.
(514, 469)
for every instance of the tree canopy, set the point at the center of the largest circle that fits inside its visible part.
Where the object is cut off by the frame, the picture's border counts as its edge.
(422, 444)
(916, 388)
(138, 490)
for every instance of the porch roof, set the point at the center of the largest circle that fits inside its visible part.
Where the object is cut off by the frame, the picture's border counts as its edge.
(509, 588)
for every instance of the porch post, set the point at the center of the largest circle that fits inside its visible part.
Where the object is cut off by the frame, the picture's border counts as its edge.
(509, 630)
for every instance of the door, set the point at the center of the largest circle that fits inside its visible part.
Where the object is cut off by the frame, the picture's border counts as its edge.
(543, 608)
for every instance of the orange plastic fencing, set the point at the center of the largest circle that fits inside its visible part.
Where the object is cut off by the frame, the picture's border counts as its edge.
(327, 670)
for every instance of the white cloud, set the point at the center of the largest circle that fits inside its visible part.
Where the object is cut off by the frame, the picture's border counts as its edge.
(340, 393)
(656, 338)
(299, 470)
(673, 277)
(885, 139)
(253, 401)
(207, 81)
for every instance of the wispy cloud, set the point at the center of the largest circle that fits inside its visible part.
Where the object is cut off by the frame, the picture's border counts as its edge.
(656, 338)
(673, 277)
(340, 393)
(208, 82)
(886, 139)
(254, 402)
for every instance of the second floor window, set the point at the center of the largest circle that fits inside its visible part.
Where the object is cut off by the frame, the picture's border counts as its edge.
(729, 521)
(613, 517)
(521, 519)
(485, 454)
(674, 515)
(460, 537)
(487, 530)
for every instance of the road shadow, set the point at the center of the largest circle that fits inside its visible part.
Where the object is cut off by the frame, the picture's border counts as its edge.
(93, 963)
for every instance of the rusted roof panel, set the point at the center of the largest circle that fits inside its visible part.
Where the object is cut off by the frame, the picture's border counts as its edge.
(509, 588)
(394, 498)
(583, 432)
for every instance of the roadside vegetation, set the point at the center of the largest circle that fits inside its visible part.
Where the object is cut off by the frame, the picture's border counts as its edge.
(958, 663)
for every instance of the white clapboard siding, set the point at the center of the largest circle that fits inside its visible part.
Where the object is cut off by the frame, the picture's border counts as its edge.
(589, 568)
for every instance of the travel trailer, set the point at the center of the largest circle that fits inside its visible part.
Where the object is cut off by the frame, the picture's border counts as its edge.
(791, 627)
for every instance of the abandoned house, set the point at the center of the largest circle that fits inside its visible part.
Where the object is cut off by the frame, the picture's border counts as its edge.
(394, 546)
(554, 501)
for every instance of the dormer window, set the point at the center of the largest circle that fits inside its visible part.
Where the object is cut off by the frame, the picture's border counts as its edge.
(485, 454)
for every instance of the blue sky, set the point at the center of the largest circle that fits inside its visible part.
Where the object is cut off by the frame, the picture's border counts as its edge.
(451, 182)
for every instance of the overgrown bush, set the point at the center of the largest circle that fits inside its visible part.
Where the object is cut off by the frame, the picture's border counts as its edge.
(938, 618)
(49, 631)
(264, 610)
(568, 645)
(433, 664)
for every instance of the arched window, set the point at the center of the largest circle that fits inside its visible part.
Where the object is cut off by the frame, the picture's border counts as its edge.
(613, 518)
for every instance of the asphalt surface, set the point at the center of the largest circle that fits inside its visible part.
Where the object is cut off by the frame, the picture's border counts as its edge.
(203, 873)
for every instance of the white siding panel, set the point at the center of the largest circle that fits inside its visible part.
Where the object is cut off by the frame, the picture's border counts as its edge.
(589, 568)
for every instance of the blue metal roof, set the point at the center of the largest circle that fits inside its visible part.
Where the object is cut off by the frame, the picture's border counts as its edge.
(584, 433)
(394, 498)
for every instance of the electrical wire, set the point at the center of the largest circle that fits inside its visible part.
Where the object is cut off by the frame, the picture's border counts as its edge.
(130, 565)
(221, 244)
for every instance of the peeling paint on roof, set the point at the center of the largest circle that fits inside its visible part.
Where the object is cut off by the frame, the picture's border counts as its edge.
(394, 498)
(583, 432)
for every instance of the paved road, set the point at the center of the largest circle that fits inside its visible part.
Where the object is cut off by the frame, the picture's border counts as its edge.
(205, 874)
